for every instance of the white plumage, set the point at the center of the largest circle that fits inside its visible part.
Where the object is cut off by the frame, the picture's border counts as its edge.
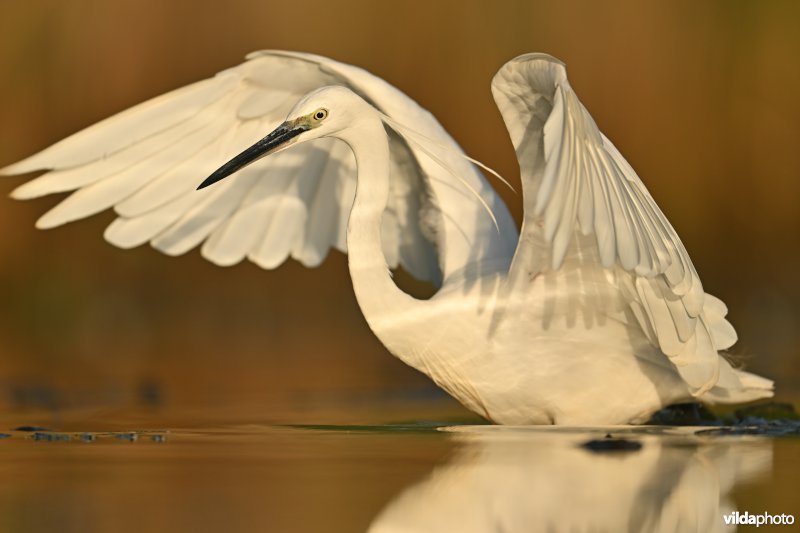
(593, 314)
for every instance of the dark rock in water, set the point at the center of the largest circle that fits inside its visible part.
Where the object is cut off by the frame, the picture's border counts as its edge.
(31, 428)
(129, 436)
(685, 414)
(4, 435)
(771, 418)
(610, 443)
(51, 437)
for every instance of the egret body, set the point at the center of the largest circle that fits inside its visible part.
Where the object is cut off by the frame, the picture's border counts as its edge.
(594, 314)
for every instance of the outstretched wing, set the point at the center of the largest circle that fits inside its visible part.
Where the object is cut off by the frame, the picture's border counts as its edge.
(147, 161)
(576, 182)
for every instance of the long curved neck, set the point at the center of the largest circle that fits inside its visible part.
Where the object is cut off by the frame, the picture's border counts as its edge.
(386, 308)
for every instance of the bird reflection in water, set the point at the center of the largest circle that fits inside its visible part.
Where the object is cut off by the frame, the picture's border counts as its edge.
(524, 479)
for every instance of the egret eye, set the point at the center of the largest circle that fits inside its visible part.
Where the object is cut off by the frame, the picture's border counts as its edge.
(320, 114)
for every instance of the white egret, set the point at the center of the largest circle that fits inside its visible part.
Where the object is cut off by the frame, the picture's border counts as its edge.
(594, 314)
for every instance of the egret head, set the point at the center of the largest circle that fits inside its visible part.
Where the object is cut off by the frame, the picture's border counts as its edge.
(320, 113)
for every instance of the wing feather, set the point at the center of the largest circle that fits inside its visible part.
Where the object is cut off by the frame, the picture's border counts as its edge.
(197, 223)
(132, 232)
(128, 127)
(146, 162)
(576, 182)
(106, 192)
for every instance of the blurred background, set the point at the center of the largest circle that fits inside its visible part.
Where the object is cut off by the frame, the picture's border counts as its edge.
(700, 97)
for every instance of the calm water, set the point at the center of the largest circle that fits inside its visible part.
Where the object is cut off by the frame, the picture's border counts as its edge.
(391, 478)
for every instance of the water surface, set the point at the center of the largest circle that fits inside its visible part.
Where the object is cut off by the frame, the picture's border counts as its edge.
(423, 476)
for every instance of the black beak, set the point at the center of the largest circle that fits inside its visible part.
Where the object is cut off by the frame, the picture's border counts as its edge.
(278, 138)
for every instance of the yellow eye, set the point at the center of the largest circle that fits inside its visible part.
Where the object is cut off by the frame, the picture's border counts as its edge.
(320, 114)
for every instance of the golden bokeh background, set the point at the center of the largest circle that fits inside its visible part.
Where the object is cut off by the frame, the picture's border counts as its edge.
(701, 98)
